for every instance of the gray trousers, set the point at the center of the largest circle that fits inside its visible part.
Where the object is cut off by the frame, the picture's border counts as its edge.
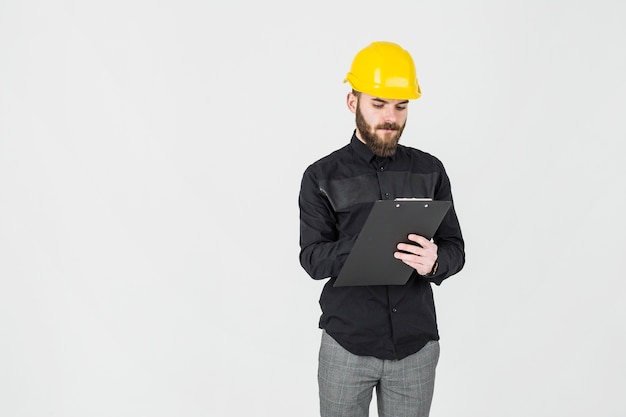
(404, 388)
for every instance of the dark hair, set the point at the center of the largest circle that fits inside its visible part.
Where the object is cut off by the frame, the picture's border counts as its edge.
(356, 93)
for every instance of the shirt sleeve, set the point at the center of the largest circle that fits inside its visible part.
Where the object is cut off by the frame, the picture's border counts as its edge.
(322, 251)
(449, 239)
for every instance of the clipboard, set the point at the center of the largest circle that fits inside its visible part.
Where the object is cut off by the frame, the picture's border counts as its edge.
(371, 260)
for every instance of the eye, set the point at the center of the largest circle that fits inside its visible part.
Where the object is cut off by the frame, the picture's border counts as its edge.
(378, 105)
(400, 107)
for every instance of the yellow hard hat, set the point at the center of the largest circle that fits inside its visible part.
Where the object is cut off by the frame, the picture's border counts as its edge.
(385, 70)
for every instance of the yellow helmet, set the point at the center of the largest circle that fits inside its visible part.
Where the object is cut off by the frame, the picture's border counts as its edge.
(385, 70)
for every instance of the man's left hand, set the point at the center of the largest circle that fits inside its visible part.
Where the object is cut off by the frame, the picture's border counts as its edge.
(421, 256)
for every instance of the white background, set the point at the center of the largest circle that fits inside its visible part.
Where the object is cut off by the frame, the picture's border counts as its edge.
(150, 163)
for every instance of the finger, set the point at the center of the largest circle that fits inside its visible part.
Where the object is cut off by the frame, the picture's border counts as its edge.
(409, 258)
(420, 264)
(420, 267)
(420, 240)
(417, 250)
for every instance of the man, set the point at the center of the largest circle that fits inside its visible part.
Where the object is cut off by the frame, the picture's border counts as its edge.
(383, 336)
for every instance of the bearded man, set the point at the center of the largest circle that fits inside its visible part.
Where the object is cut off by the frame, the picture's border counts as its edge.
(377, 337)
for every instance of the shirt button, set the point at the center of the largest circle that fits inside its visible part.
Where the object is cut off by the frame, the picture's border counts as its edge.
(382, 168)
(394, 310)
(386, 195)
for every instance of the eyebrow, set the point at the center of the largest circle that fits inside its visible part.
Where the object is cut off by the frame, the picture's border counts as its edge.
(380, 100)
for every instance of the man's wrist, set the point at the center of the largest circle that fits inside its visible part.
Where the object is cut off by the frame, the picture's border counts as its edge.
(434, 270)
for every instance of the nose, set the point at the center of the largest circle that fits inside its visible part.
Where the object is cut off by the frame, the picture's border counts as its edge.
(390, 115)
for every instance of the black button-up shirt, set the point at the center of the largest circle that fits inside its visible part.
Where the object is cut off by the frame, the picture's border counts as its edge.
(336, 195)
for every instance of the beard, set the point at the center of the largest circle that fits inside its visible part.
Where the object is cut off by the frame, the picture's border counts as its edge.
(380, 146)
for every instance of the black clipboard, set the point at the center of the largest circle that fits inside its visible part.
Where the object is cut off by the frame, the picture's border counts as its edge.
(371, 260)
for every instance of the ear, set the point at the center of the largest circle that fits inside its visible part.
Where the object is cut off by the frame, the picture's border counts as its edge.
(351, 102)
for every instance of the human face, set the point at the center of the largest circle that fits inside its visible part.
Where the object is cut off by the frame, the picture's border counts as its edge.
(379, 122)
